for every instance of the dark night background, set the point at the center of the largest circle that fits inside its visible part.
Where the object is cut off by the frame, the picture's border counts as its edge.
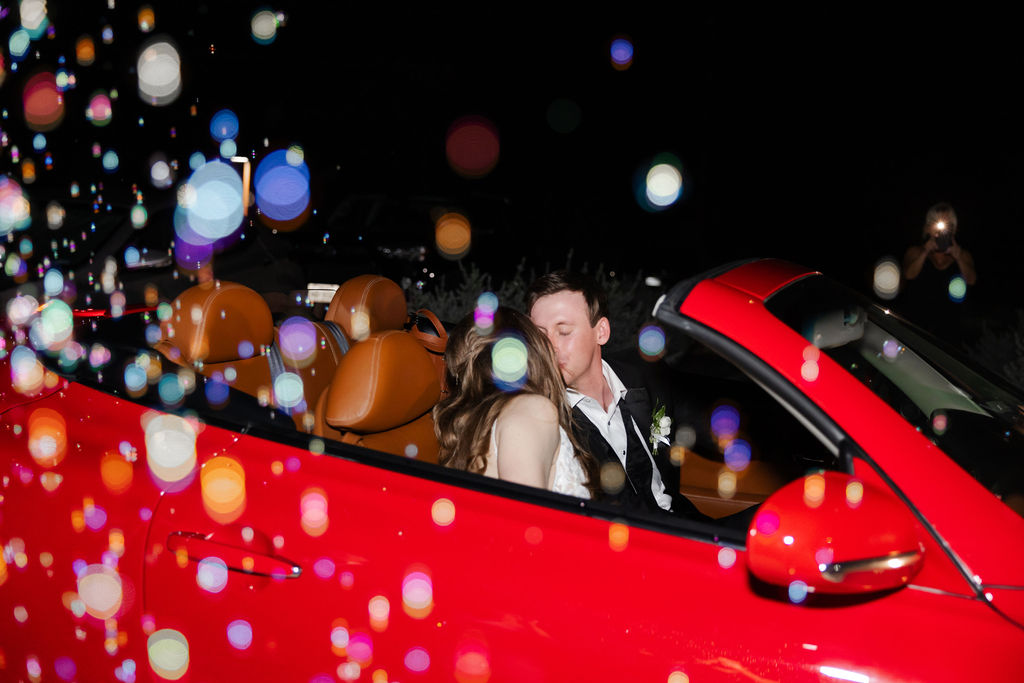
(821, 137)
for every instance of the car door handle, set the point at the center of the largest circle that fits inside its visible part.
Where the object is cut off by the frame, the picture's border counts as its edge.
(199, 546)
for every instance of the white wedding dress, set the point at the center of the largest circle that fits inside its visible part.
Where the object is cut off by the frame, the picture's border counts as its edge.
(569, 476)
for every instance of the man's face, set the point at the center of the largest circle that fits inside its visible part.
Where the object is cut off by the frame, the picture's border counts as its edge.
(564, 318)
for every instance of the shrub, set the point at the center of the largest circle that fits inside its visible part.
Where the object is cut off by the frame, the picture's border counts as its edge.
(629, 300)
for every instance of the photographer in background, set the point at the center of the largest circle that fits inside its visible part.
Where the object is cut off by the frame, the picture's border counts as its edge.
(940, 247)
(937, 275)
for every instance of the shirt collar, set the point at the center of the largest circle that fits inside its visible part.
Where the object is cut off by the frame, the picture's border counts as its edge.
(615, 384)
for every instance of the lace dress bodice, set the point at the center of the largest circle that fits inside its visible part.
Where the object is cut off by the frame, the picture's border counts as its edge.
(569, 476)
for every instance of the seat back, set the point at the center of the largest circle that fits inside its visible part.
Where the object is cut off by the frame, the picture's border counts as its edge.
(382, 396)
(224, 327)
(366, 304)
(225, 330)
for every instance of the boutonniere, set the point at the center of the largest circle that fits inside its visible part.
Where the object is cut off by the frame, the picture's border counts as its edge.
(661, 427)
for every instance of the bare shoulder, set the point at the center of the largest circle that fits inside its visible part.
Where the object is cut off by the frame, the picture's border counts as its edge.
(529, 408)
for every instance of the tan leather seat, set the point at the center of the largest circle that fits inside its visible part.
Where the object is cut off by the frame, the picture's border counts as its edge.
(216, 326)
(367, 304)
(226, 329)
(382, 397)
(699, 477)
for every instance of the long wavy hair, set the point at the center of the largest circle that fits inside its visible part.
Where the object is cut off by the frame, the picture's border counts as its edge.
(464, 419)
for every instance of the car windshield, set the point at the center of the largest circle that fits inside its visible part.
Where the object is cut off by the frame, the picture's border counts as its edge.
(974, 418)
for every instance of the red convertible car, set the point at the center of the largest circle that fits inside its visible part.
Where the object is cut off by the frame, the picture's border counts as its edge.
(198, 491)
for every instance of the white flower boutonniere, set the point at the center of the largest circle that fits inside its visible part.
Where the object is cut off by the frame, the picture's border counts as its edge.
(661, 427)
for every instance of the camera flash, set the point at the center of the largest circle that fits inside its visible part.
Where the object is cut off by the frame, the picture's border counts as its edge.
(941, 225)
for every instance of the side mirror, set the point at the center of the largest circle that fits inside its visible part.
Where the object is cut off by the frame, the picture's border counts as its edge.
(835, 534)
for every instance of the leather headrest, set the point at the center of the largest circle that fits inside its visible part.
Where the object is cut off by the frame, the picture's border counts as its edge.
(367, 304)
(383, 382)
(218, 321)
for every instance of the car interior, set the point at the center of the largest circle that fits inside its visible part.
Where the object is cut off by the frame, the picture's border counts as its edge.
(369, 373)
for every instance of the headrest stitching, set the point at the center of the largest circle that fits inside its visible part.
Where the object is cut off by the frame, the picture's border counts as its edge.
(374, 366)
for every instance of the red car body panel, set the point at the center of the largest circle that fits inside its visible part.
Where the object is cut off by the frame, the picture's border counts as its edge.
(411, 577)
(902, 452)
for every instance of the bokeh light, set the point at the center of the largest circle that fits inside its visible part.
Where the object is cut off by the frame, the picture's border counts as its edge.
(452, 235)
(483, 313)
(664, 185)
(15, 211)
(263, 26)
(298, 340)
(44, 104)
(47, 437)
(442, 512)
(240, 634)
(797, 592)
(472, 663)
(621, 53)
(209, 205)
(170, 448)
(288, 391)
(222, 482)
(159, 72)
(116, 472)
(509, 363)
(886, 279)
(726, 558)
(85, 51)
(19, 43)
(891, 349)
(854, 494)
(417, 660)
(52, 329)
(111, 161)
(53, 282)
(324, 567)
(100, 589)
(168, 653)
(814, 490)
(147, 19)
(651, 342)
(613, 478)
(224, 125)
(472, 147)
(618, 536)
(725, 422)
(100, 111)
(417, 594)
(313, 511)
(737, 455)
(957, 289)
(27, 373)
(281, 184)
(34, 18)
(160, 172)
(360, 648)
(379, 610)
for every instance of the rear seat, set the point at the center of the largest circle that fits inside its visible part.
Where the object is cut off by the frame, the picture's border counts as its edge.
(385, 388)
(225, 330)
(367, 381)
(382, 397)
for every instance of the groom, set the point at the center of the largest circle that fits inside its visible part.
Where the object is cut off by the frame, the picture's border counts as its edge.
(613, 412)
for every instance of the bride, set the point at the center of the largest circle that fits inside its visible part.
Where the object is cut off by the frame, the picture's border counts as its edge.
(506, 416)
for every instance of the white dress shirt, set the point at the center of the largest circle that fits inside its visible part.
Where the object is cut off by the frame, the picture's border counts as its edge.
(611, 426)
